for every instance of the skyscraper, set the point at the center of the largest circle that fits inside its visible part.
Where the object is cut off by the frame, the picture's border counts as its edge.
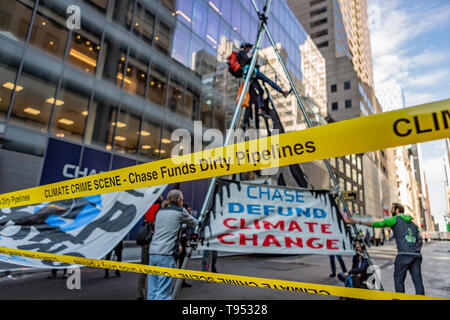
(340, 30)
(391, 97)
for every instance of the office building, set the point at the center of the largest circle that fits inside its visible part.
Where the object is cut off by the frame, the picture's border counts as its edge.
(106, 94)
(339, 28)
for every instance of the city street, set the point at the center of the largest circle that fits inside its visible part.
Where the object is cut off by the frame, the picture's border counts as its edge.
(306, 268)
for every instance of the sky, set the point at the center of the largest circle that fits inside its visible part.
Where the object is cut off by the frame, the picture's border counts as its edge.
(410, 42)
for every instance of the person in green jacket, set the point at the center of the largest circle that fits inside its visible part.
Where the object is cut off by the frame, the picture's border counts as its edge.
(409, 243)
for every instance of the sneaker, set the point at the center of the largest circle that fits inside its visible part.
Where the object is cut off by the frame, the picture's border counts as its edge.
(332, 275)
(286, 93)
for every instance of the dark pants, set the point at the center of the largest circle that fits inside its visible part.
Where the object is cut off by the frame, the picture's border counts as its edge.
(118, 252)
(404, 263)
(333, 264)
(209, 261)
(142, 278)
(256, 103)
(261, 76)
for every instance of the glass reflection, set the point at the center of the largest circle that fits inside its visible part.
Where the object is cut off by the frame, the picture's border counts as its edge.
(150, 139)
(7, 79)
(49, 31)
(70, 114)
(175, 97)
(157, 85)
(15, 18)
(144, 24)
(33, 102)
(163, 37)
(126, 136)
(84, 51)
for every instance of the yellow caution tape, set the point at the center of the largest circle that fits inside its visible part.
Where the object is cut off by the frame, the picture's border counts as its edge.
(407, 126)
(292, 286)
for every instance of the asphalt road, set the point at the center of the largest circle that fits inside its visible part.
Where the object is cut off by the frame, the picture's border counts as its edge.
(306, 268)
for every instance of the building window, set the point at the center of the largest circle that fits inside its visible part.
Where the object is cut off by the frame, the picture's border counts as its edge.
(144, 24)
(318, 11)
(347, 85)
(180, 49)
(334, 88)
(100, 4)
(150, 138)
(14, 19)
(348, 104)
(334, 106)
(157, 85)
(49, 31)
(136, 78)
(71, 110)
(166, 144)
(126, 135)
(176, 96)
(314, 2)
(84, 51)
(163, 37)
(322, 44)
(319, 22)
(7, 77)
(206, 111)
(33, 102)
(319, 34)
(191, 104)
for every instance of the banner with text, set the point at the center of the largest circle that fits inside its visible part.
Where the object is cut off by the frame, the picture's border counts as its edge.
(280, 220)
(84, 227)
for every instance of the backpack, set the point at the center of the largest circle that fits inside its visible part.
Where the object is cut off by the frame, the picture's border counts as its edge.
(233, 65)
(145, 234)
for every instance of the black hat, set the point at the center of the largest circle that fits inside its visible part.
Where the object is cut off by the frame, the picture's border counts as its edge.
(246, 45)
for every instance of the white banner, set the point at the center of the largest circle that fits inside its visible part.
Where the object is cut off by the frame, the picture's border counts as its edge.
(85, 227)
(280, 220)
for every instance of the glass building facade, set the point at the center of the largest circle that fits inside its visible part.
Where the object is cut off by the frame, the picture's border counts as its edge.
(133, 72)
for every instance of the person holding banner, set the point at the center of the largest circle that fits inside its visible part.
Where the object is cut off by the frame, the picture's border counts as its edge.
(168, 222)
(409, 244)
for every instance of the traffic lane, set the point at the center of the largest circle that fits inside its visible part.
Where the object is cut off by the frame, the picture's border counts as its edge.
(435, 271)
(293, 268)
(93, 286)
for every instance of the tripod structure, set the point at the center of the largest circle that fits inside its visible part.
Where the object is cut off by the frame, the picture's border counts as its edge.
(262, 30)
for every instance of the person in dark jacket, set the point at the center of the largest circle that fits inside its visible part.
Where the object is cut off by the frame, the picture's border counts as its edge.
(409, 244)
(255, 87)
(359, 268)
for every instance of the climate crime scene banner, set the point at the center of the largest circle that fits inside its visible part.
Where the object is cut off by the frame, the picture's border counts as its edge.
(83, 227)
(280, 220)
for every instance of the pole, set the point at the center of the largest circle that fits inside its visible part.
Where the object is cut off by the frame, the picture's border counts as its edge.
(310, 125)
(233, 124)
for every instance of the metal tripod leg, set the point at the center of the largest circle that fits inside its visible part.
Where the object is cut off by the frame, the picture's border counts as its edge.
(308, 121)
(233, 124)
